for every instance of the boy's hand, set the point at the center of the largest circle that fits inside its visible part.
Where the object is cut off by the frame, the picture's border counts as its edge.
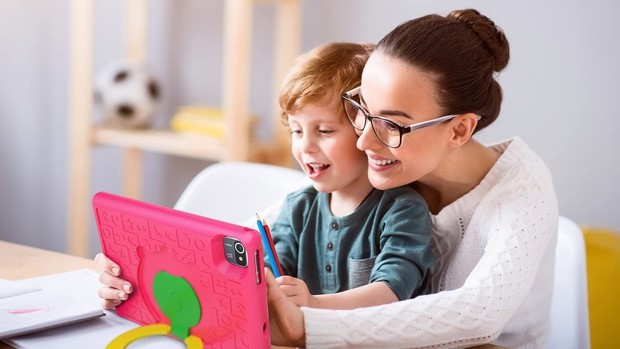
(297, 291)
(114, 289)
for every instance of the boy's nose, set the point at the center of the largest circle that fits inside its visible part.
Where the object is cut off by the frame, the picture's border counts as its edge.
(308, 144)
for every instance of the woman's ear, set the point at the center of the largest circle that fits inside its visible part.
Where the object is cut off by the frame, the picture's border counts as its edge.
(463, 127)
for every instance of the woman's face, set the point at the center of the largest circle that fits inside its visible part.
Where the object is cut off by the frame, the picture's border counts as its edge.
(404, 94)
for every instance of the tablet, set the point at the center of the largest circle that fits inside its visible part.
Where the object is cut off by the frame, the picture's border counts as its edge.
(201, 277)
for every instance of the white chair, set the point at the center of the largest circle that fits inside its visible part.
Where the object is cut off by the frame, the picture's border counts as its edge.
(569, 306)
(235, 191)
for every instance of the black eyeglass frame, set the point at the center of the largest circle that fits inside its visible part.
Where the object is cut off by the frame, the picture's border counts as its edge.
(346, 98)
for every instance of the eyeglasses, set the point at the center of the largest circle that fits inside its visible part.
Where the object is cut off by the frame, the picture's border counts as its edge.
(387, 131)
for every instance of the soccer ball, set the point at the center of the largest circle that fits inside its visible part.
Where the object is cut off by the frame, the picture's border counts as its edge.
(127, 95)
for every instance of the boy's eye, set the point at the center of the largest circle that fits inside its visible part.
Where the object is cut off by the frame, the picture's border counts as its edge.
(325, 132)
(295, 131)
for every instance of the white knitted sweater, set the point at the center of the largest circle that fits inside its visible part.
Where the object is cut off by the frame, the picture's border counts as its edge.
(494, 278)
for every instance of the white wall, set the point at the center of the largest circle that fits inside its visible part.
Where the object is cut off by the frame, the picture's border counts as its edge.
(561, 93)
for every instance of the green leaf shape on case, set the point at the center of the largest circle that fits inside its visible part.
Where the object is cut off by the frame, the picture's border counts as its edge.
(178, 301)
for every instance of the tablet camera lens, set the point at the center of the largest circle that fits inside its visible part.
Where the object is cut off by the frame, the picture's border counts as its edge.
(235, 252)
(239, 248)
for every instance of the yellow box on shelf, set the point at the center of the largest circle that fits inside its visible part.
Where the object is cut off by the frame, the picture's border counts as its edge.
(200, 119)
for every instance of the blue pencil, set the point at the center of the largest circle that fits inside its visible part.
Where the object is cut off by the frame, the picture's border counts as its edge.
(268, 248)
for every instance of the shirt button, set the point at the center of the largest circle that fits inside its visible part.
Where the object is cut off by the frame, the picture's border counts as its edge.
(334, 225)
(330, 246)
(328, 268)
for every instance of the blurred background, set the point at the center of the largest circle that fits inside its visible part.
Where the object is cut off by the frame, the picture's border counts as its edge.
(561, 94)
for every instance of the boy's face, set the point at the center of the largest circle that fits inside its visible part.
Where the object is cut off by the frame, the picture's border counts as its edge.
(323, 143)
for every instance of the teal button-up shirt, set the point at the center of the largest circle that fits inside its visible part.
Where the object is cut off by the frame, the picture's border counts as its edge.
(387, 239)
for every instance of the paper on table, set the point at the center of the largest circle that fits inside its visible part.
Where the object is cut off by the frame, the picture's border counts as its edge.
(87, 334)
(62, 299)
(91, 334)
(15, 288)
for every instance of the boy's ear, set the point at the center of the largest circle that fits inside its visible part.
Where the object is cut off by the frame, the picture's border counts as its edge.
(463, 127)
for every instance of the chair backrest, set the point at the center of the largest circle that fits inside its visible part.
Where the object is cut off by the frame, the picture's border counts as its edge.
(569, 305)
(235, 191)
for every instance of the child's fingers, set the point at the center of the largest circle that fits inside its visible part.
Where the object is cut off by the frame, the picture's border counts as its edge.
(286, 280)
(107, 292)
(291, 290)
(274, 291)
(107, 264)
(109, 303)
(115, 282)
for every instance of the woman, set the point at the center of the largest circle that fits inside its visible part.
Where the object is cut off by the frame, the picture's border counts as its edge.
(427, 88)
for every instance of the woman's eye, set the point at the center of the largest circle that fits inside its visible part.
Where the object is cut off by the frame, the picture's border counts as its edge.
(388, 126)
(392, 127)
(295, 132)
(325, 132)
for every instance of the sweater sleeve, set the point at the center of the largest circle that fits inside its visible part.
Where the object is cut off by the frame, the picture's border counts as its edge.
(518, 229)
(405, 256)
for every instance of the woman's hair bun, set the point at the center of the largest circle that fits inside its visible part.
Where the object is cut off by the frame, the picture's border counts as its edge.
(492, 36)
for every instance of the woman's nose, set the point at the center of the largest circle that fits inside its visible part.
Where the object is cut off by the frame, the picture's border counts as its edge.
(367, 139)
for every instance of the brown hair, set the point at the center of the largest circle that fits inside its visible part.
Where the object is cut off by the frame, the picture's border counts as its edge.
(327, 71)
(461, 52)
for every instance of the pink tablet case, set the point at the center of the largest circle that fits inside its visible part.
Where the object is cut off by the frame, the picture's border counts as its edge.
(146, 240)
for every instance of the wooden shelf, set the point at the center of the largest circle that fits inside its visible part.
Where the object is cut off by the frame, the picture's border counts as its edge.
(237, 146)
(165, 142)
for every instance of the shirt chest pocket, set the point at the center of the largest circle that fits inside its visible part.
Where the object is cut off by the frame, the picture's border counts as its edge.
(359, 271)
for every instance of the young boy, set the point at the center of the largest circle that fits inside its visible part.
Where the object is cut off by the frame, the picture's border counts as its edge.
(351, 244)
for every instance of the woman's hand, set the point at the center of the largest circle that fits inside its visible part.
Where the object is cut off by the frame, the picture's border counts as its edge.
(114, 289)
(297, 291)
(286, 320)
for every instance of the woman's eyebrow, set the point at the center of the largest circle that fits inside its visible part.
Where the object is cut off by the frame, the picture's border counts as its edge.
(395, 113)
(386, 112)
